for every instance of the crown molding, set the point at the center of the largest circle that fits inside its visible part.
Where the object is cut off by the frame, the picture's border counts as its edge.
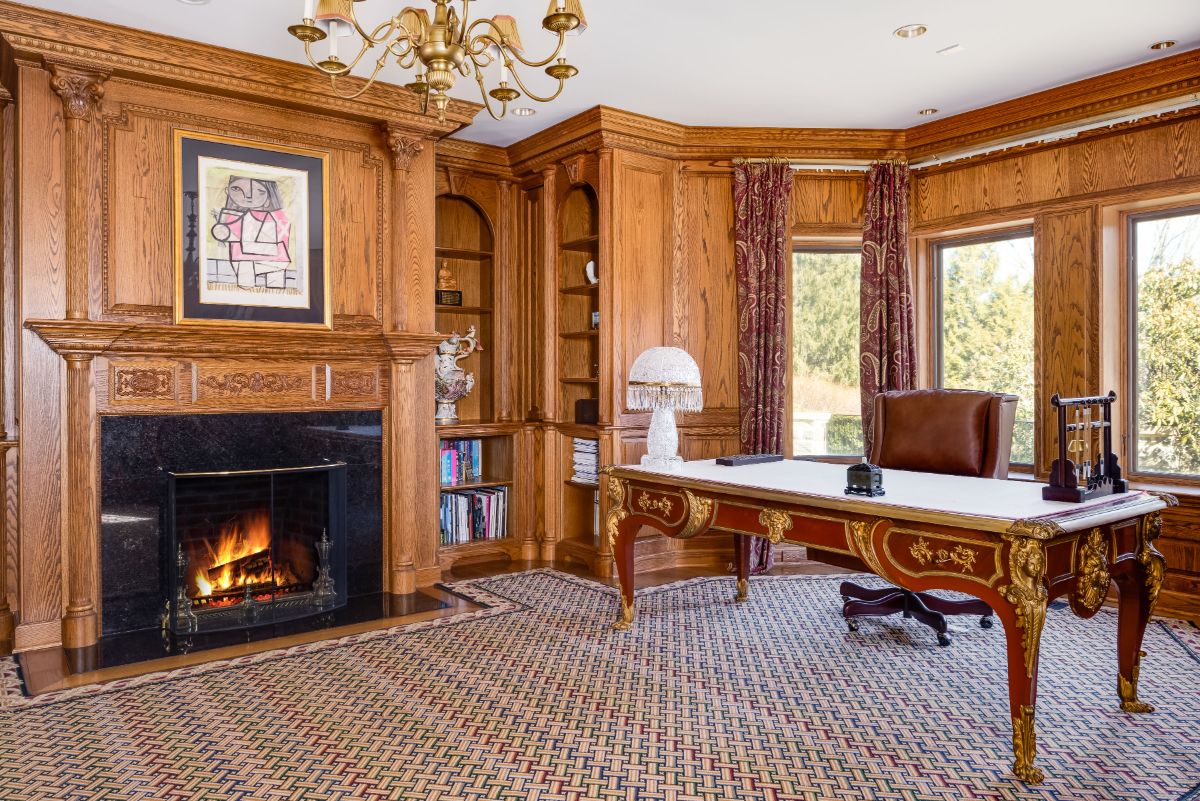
(474, 156)
(37, 37)
(1075, 103)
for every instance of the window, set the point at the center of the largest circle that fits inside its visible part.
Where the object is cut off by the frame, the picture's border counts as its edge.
(826, 411)
(1165, 342)
(984, 307)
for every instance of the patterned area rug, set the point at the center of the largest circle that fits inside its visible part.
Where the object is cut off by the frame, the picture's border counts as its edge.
(534, 698)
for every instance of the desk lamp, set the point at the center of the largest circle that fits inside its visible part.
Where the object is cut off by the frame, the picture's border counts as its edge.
(664, 379)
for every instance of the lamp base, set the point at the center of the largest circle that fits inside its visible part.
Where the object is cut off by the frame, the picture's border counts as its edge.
(662, 463)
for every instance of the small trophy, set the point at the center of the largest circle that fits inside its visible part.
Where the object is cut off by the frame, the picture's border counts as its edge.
(448, 293)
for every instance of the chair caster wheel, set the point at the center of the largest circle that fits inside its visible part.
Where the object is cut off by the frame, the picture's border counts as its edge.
(852, 625)
(987, 622)
(943, 639)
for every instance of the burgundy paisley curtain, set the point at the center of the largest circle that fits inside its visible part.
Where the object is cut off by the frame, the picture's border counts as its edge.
(761, 194)
(887, 354)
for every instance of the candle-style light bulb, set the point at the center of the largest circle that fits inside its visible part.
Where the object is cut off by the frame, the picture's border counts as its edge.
(333, 37)
(309, 6)
(562, 6)
(503, 66)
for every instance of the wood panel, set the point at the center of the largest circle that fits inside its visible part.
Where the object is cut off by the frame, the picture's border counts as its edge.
(1152, 155)
(1067, 317)
(643, 206)
(704, 289)
(827, 204)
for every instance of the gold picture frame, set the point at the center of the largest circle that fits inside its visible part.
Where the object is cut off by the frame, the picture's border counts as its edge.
(251, 233)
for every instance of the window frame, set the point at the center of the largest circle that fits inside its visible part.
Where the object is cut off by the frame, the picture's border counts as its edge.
(1129, 341)
(831, 245)
(1024, 230)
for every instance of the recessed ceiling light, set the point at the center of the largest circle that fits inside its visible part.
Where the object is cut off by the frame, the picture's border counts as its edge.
(910, 31)
(927, 112)
(951, 50)
(524, 111)
(1163, 45)
(194, 2)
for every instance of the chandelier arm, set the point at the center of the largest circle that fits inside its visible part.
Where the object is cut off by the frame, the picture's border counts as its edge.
(517, 77)
(369, 83)
(562, 38)
(375, 37)
(487, 99)
(462, 29)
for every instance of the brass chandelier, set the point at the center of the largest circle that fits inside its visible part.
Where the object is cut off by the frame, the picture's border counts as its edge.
(439, 48)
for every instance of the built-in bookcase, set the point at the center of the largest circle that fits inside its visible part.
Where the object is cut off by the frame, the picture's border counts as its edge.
(579, 362)
(465, 247)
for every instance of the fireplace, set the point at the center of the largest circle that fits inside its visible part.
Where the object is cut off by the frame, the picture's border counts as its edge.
(246, 548)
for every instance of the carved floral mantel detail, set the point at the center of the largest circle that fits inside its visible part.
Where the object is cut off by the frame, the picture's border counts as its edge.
(254, 382)
(80, 90)
(143, 383)
(361, 383)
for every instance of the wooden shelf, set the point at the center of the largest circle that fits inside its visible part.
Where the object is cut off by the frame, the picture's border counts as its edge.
(582, 484)
(463, 253)
(581, 289)
(579, 380)
(595, 332)
(475, 485)
(476, 429)
(587, 244)
(462, 309)
(474, 545)
(579, 430)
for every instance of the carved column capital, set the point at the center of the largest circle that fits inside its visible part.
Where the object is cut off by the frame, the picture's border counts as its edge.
(80, 90)
(404, 147)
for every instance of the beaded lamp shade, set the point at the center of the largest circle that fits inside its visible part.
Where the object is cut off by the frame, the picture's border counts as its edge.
(663, 380)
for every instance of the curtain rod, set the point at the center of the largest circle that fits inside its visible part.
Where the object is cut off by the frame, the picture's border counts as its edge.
(1047, 136)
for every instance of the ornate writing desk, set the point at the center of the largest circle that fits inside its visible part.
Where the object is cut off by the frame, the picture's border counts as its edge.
(995, 540)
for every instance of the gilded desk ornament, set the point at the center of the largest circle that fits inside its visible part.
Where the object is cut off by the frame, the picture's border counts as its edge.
(777, 523)
(1127, 692)
(1036, 529)
(861, 532)
(626, 618)
(646, 503)
(960, 556)
(743, 591)
(616, 510)
(1027, 593)
(699, 513)
(1151, 560)
(1092, 577)
(1025, 748)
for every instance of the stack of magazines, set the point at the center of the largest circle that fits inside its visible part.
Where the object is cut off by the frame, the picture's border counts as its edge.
(469, 515)
(587, 461)
(461, 461)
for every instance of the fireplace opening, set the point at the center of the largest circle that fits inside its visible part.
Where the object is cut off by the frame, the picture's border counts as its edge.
(247, 548)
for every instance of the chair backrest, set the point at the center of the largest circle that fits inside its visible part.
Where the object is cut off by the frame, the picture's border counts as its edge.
(959, 432)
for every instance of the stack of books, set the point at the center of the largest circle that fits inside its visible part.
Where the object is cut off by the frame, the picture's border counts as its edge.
(461, 461)
(587, 461)
(470, 515)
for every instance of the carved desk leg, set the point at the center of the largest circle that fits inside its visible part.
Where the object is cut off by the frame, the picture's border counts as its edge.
(1138, 583)
(621, 531)
(1024, 614)
(741, 557)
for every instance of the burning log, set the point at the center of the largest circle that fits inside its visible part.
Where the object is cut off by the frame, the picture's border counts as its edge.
(255, 564)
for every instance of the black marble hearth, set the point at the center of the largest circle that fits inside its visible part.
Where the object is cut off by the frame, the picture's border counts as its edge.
(138, 452)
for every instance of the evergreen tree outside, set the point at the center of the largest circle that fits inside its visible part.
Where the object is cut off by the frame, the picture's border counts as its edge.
(1167, 372)
(987, 325)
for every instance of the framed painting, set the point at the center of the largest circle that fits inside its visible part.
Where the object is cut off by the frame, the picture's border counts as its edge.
(251, 232)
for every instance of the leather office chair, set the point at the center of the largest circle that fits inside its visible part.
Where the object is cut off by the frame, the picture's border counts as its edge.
(951, 431)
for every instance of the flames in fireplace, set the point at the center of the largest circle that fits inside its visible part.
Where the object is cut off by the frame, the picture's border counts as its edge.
(239, 556)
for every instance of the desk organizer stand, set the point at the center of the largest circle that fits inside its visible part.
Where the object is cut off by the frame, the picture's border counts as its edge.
(1094, 472)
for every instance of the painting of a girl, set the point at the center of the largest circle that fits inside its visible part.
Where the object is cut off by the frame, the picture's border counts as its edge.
(254, 226)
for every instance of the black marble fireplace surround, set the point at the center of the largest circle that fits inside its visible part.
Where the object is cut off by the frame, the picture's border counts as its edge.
(137, 454)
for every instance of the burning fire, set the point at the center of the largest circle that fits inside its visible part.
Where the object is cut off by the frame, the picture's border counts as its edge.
(240, 557)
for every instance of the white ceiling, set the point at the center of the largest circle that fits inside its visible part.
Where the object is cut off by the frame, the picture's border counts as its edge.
(777, 63)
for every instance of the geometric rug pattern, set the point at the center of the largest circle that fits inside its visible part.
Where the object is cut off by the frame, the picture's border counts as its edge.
(535, 698)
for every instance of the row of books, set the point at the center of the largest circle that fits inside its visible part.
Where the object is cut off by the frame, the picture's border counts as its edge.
(461, 461)
(586, 461)
(470, 515)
